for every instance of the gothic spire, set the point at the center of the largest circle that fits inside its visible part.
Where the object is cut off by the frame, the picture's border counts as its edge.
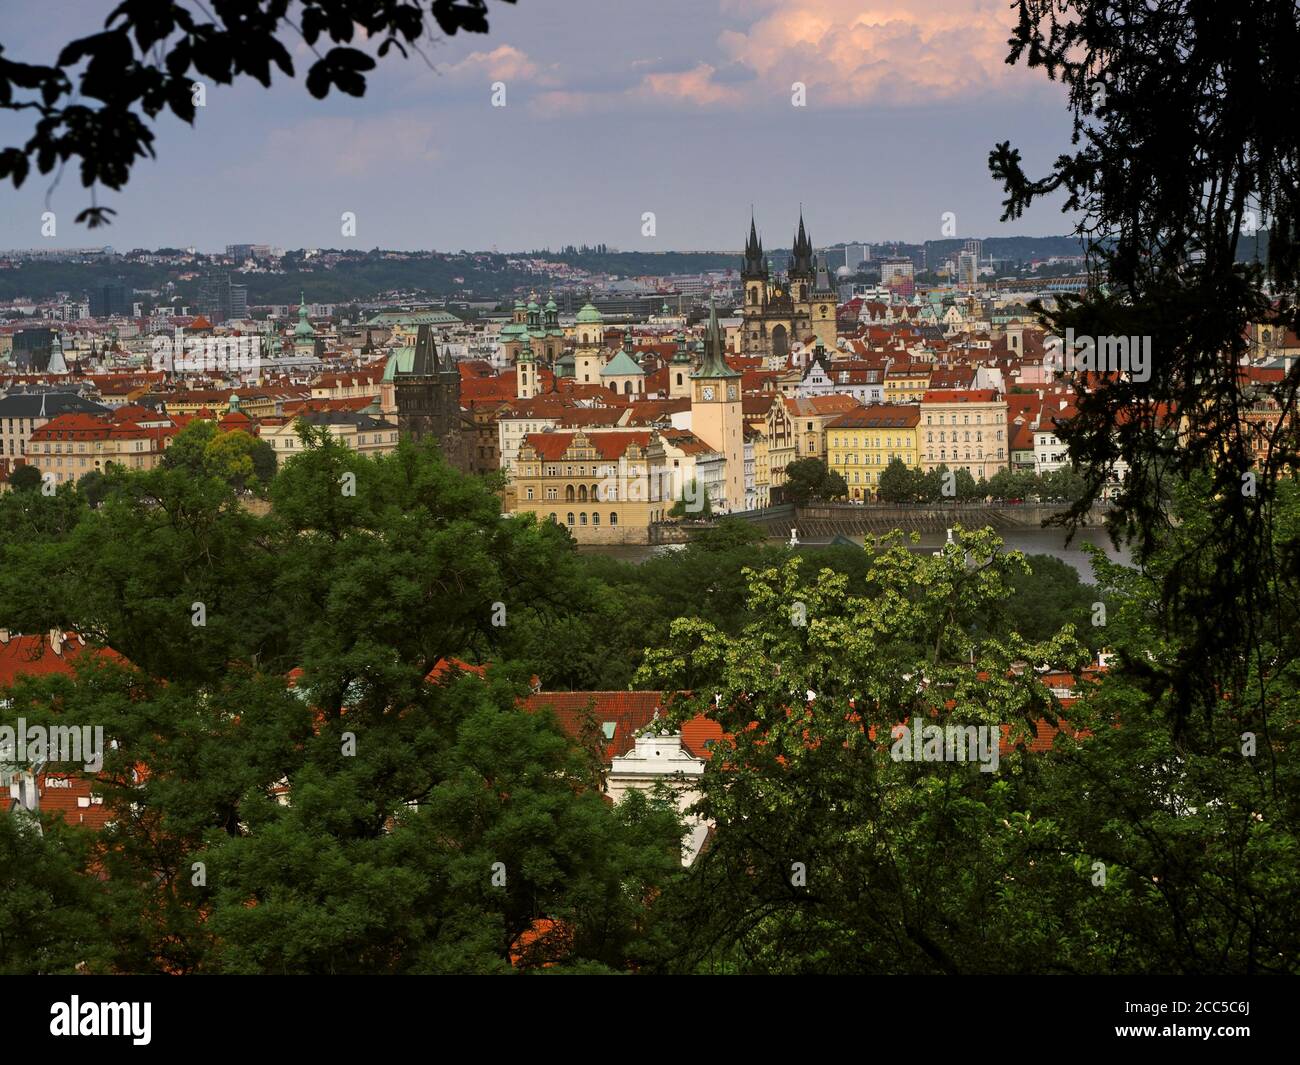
(425, 361)
(753, 250)
(714, 364)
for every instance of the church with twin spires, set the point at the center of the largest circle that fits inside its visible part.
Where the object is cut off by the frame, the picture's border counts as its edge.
(781, 311)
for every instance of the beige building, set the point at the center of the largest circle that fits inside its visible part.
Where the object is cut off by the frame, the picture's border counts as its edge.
(72, 445)
(363, 433)
(23, 413)
(810, 417)
(253, 403)
(907, 382)
(774, 445)
(964, 429)
(604, 487)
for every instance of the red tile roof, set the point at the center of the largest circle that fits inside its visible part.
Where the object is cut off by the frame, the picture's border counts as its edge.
(552, 446)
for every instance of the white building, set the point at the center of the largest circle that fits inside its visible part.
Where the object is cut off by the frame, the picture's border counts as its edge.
(659, 759)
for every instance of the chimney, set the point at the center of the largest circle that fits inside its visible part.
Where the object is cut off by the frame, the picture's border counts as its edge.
(56, 641)
(4, 637)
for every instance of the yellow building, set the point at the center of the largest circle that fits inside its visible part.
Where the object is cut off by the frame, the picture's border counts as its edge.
(254, 404)
(907, 382)
(863, 442)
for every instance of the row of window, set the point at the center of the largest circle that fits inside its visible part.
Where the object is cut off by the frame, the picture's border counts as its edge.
(578, 495)
(595, 518)
(965, 419)
(943, 454)
(874, 459)
(979, 436)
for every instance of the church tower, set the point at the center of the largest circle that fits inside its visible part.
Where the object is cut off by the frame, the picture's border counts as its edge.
(590, 332)
(679, 370)
(304, 336)
(753, 272)
(823, 309)
(428, 400)
(526, 371)
(717, 414)
(801, 266)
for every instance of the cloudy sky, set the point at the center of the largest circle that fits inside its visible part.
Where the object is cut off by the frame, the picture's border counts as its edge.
(682, 108)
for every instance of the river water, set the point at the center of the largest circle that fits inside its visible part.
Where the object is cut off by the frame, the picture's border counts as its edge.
(1030, 541)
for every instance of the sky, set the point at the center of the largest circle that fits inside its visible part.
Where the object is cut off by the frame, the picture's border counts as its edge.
(684, 109)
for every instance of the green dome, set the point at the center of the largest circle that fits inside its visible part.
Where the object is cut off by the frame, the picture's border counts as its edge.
(551, 305)
(590, 314)
(303, 328)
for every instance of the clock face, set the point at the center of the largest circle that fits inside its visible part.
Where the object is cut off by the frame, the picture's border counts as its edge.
(707, 392)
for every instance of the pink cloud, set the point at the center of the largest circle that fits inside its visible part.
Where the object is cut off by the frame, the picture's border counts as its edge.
(505, 63)
(881, 51)
(694, 86)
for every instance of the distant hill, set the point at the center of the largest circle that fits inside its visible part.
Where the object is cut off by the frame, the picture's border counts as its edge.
(481, 275)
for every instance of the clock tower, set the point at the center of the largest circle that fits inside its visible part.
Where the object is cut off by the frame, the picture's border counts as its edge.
(717, 414)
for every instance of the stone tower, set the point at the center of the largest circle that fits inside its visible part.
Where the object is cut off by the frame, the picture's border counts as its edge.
(428, 401)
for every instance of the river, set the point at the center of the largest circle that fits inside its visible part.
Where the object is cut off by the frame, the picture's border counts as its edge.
(1030, 541)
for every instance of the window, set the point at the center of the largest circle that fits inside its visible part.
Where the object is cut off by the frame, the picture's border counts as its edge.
(595, 518)
(530, 492)
(582, 519)
(569, 520)
(613, 518)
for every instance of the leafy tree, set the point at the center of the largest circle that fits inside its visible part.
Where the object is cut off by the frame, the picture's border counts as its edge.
(49, 909)
(1045, 598)
(900, 484)
(203, 448)
(829, 856)
(25, 478)
(94, 487)
(264, 461)
(1063, 485)
(149, 56)
(320, 623)
(810, 481)
(967, 487)
(729, 534)
(1174, 177)
(835, 857)
(694, 503)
